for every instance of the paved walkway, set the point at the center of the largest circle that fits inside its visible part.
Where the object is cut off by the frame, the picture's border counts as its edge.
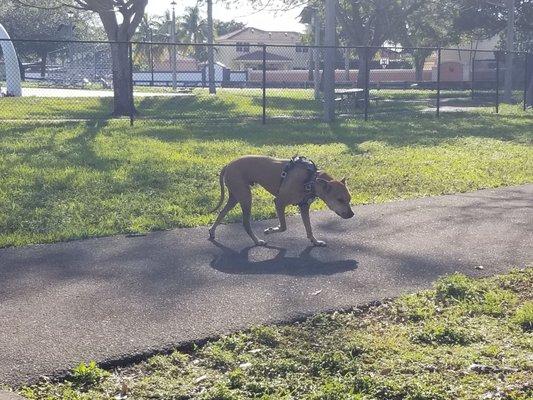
(114, 298)
(68, 92)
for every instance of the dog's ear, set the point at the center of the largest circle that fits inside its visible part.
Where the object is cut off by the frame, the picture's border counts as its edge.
(324, 184)
(343, 181)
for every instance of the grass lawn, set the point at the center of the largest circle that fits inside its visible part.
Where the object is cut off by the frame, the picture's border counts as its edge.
(465, 339)
(230, 104)
(69, 180)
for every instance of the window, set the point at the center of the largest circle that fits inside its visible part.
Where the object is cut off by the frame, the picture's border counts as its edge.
(302, 49)
(243, 47)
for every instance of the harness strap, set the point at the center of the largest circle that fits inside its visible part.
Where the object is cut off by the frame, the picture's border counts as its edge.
(309, 184)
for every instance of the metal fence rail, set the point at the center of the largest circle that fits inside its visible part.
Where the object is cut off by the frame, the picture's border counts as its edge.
(77, 81)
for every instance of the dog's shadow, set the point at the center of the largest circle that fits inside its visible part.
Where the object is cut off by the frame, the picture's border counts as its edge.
(242, 262)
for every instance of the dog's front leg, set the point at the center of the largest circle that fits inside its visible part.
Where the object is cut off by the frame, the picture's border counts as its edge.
(304, 211)
(280, 211)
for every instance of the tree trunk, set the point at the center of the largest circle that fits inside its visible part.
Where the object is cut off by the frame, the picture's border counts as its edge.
(44, 56)
(419, 68)
(122, 104)
(365, 57)
(529, 94)
(22, 70)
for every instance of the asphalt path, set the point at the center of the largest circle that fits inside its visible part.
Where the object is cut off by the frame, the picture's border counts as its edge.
(116, 298)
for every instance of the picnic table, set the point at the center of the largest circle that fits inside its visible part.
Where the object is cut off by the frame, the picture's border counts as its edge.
(349, 98)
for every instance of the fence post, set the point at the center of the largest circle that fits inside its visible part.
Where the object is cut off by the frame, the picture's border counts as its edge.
(438, 80)
(367, 81)
(472, 77)
(497, 82)
(264, 84)
(526, 76)
(132, 102)
(152, 64)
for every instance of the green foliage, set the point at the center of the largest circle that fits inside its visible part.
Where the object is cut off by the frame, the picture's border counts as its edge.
(446, 333)
(415, 307)
(495, 302)
(456, 287)
(524, 316)
(333, 390)
(88, 374)
(220, 392)
(265, 335)
(218, 356)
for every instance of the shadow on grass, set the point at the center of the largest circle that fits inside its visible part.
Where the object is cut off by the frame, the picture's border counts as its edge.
(36, 108)
(399, 130)
(197, 107)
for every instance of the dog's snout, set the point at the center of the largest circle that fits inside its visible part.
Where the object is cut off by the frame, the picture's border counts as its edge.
(348, 215)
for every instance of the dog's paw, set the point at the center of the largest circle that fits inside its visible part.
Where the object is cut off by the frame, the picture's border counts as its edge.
(260, 242)
(319, 243)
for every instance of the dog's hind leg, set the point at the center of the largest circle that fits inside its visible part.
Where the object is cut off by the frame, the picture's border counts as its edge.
(232, 202)
(280, 211)
(245, 201)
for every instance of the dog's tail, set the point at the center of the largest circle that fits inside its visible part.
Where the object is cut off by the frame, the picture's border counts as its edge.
(222, 191)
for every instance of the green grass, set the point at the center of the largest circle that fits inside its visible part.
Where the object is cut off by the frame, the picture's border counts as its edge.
(451, 350)
(68, 180)
(230, 104)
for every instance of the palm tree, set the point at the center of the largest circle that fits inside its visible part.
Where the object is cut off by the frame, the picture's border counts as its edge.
(193, 25)
(194, 29)
(152, 29)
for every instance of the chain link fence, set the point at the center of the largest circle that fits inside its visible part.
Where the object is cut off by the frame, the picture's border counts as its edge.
(75, 80)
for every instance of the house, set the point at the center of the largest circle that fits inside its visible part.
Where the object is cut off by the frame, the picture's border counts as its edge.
(243, 49)
(458, 62)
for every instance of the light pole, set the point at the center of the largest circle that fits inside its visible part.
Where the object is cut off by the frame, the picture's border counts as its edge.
(210, 55)
(173, 52)
(316, 75)
(508, 89)
(70, 15)
(329, 61)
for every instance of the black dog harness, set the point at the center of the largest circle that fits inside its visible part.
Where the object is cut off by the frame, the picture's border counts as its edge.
(309, 184)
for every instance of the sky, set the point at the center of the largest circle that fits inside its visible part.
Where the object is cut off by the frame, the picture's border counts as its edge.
(265, 20)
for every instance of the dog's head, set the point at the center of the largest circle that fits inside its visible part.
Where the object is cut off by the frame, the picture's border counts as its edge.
(336, 196)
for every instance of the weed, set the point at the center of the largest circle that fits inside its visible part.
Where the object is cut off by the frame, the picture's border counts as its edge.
(265, 335)
(494, 302)
(333, 390)
(415, 307)
(444, 333)
(524, 316)
(456, 287)
(85, 375)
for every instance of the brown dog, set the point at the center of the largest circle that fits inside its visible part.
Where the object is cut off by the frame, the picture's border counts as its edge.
(295, 181)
